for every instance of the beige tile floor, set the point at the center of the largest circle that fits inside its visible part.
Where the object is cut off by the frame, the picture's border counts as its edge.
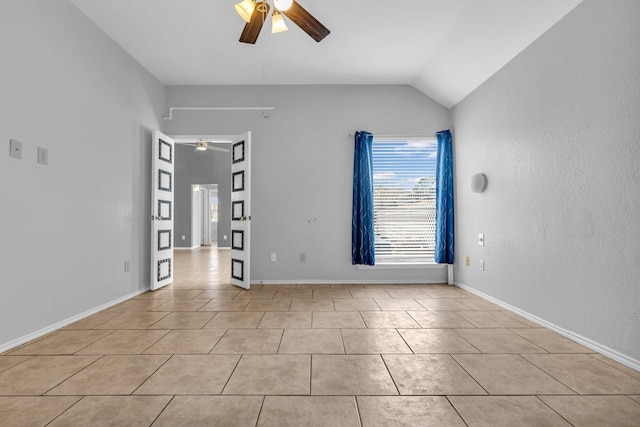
(201, 352)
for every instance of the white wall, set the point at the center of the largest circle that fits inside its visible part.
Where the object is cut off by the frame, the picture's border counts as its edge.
(303, 167)
(557, 132)
(67, 228)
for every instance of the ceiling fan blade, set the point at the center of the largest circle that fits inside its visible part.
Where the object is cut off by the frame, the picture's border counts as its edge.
(252, 29)
(306, 21)
(214, 148)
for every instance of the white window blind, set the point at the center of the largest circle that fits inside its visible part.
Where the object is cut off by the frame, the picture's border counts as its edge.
(404, 200)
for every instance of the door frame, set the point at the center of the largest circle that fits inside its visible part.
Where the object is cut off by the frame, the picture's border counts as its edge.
(221, 139)
(196, 216)
(207, 229)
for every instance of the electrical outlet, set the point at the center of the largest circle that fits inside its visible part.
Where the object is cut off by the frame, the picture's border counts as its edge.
(302, 257)
(466, 261)
(481, 265)
(481, 239)
(274, 257)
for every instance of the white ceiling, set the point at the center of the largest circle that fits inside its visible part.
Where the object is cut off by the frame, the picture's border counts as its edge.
(444, 48)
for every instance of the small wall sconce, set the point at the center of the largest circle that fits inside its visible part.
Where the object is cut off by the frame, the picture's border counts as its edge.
(478, 183)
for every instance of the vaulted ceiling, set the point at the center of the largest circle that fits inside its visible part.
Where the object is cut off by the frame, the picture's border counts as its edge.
(443, 48)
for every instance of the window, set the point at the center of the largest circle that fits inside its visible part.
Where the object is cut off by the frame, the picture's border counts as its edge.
(404, 197)
(213, 205)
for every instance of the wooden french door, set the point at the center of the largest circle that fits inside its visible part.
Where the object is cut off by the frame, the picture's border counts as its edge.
(241, 211)
(162, 187)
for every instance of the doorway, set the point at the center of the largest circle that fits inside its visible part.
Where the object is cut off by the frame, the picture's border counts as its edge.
(196, 173)
(204, 215)
(213, 181)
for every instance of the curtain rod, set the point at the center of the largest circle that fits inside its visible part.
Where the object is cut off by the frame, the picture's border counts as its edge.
(375, 135)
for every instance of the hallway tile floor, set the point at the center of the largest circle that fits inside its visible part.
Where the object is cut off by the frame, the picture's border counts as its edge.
(202, 352)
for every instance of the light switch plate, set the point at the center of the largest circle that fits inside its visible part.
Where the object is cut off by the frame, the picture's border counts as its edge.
(481, 239)
(43, 156)
(15, 149)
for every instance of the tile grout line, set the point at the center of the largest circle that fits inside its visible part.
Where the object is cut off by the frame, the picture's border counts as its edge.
(100, 356)
(355, 398)
(152, 374)
(230, 375)
(156, 341)
(554, 411)
(260, 410)
(468, 373)
(456, 410)
(311, 375)
(162, 410)
(465, 340)
(390, 375)
(80, 398)
(404, 340)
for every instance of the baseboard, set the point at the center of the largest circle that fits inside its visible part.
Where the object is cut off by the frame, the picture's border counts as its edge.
(595, 346)
(346, 282)
(51, 328)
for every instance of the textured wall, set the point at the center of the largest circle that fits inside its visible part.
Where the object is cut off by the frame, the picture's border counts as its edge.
(557, 132)
(68, 228)
(302, 167)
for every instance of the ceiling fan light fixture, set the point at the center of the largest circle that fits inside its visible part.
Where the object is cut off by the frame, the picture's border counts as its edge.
(282, 5)
(277, 23)
(289, 8)
(201, 146)
(245, 9)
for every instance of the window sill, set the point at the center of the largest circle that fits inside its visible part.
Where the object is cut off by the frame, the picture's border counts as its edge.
(401, 266)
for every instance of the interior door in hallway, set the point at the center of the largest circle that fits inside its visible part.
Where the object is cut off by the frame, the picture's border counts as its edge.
(241, 211)
(162, 187)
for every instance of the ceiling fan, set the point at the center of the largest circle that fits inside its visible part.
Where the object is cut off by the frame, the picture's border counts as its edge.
(255, 13)
(203, 145)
